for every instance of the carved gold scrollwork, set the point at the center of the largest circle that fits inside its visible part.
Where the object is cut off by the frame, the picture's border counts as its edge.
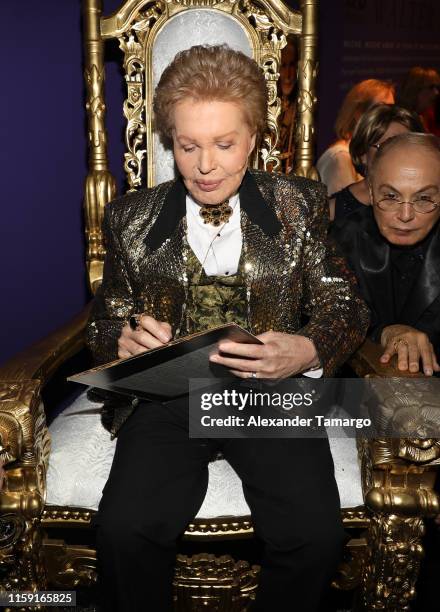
(272, 40)
(206, 582)
(392, 564)
(268, 151)
(350, 570)
(23, 428)
(12, 527)
(68, 566)
(132, 44)
(307, 73)
(11, 438)
(134, 105)
(27, 571)
(100, 185)
(267, 24)
(100, 188)
(26, 443)
(419, 451)
(94, 78)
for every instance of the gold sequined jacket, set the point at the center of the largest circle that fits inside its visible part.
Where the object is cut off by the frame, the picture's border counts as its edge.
(296, 281)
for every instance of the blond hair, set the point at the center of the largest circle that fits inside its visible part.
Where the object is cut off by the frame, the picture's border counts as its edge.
(211, 72)
(360, 97)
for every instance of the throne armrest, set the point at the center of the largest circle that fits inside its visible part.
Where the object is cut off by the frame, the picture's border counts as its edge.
(23, 432)
(41, 359)
(366, 362)
(398, 474)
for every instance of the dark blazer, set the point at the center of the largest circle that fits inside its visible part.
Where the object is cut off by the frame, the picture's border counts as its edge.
(290, 270)
(368, 254)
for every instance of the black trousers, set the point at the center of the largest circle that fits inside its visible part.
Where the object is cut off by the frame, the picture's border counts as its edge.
(157, 484)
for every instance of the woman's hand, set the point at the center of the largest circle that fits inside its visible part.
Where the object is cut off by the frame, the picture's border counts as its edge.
(411, 346)
(149, 335)
(280, 356)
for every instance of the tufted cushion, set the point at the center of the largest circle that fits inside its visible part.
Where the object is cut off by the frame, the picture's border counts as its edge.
(82, 454)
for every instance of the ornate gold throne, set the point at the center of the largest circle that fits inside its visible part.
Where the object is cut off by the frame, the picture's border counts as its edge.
(46, 541)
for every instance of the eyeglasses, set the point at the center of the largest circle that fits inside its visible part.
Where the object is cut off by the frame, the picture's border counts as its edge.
(421, 205)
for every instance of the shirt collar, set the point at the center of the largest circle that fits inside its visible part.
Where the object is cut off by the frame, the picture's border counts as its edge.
(174, 209)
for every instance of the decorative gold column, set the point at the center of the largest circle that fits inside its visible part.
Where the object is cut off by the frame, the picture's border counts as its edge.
(394, 552)
(307, 73)
(100, 185)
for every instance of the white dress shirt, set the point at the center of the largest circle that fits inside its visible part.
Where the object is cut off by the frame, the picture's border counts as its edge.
(219, 248)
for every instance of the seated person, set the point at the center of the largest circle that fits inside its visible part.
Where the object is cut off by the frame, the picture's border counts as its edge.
(393, 247)
(379, 123)
(219, 244)
(335, 166)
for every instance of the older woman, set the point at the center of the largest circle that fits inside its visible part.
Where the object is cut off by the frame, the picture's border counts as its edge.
(376, 126)
(394, 248)
(220, 244)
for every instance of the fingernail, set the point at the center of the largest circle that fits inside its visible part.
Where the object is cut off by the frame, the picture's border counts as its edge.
(428, 372)
(213, 357)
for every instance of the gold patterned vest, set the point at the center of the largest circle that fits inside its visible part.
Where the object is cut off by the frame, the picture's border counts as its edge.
(214, 300)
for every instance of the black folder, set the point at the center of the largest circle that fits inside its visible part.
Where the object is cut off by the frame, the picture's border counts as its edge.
(163, 373)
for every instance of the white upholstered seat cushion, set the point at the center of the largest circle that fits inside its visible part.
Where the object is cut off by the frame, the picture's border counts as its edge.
(82, 454)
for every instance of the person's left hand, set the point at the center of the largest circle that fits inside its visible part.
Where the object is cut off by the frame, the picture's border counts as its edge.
(280, 356)
(411, 347)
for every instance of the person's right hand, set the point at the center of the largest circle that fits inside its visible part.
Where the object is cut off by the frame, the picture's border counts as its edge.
(149, 335)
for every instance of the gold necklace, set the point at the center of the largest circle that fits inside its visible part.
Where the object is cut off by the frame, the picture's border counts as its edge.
(216, 214)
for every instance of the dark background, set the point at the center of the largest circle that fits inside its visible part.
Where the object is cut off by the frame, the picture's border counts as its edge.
(43, 157)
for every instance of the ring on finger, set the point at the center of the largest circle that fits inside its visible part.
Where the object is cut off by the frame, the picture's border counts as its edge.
(253, 375)
(135, 321)
(400, 341)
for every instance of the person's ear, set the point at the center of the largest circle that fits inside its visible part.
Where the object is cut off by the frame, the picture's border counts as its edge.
(252, 143)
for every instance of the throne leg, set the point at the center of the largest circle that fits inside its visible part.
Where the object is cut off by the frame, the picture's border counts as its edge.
(392, 565)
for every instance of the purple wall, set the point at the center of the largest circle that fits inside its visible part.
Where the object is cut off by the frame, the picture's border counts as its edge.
(43, 160)
(362, 39)
(43, 168)
(43, 165)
